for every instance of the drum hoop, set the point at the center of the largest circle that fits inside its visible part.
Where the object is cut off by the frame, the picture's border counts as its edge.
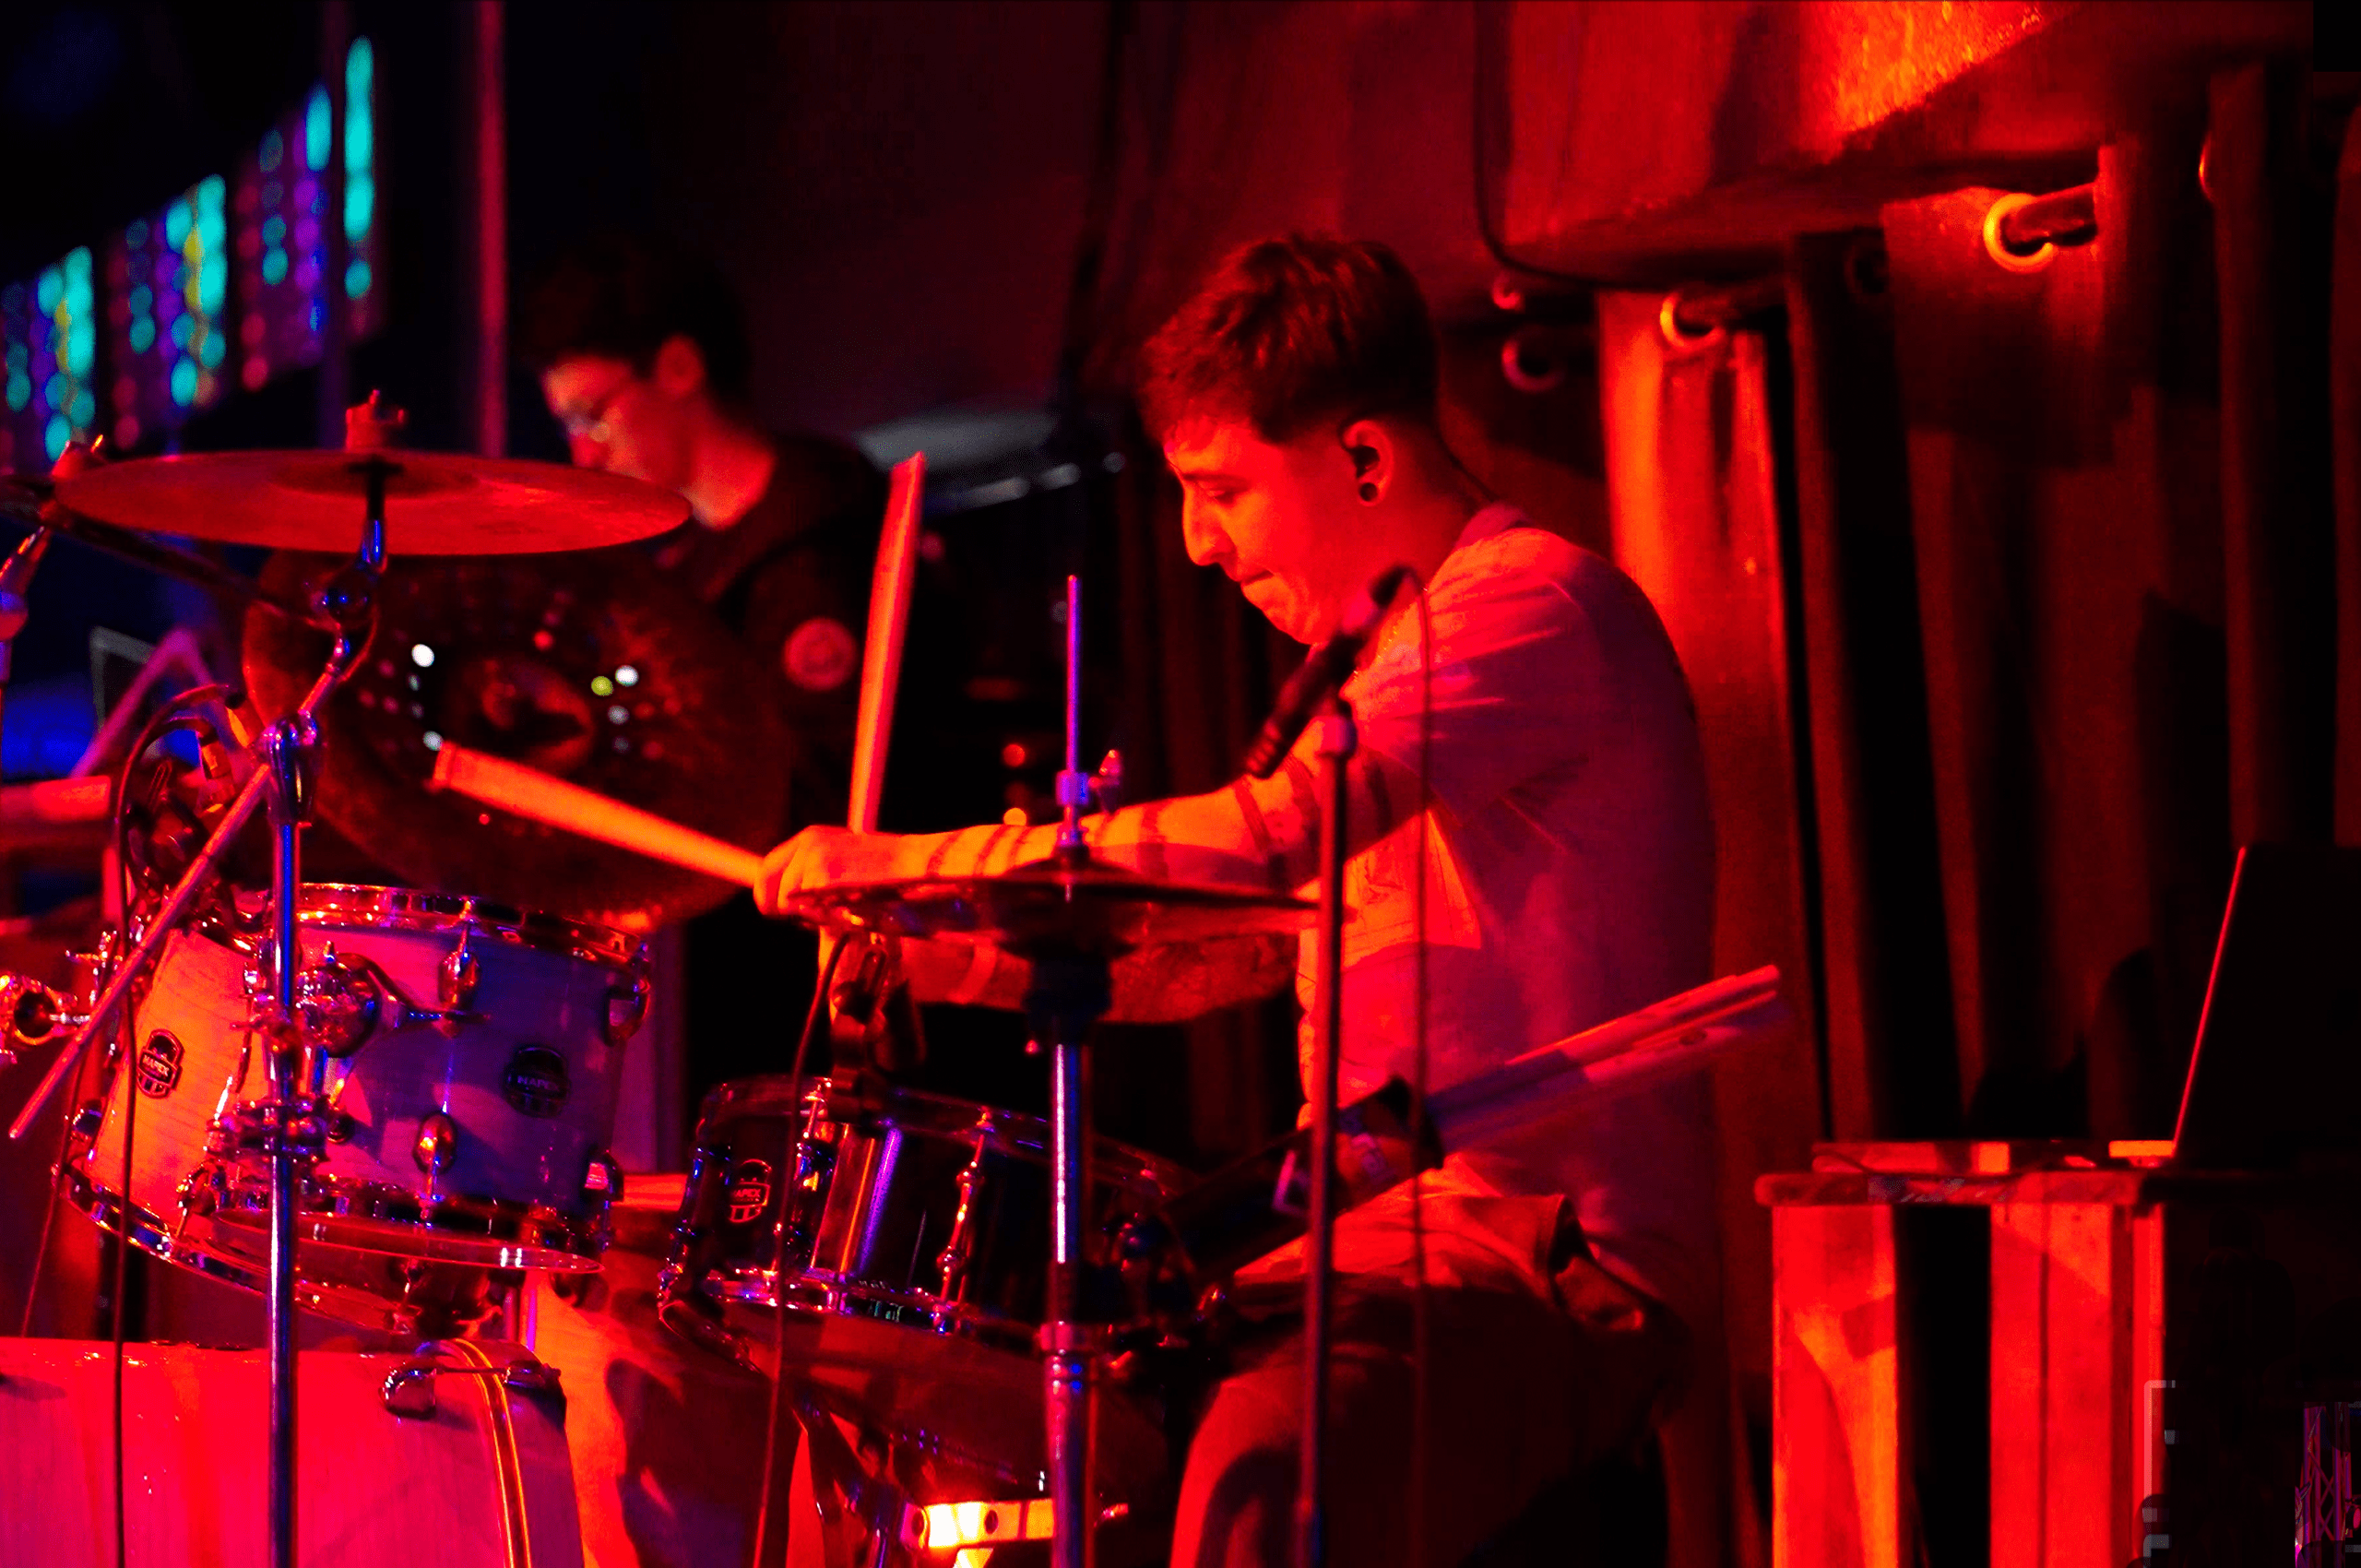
(812, 1293)
(411, 908)
(516, 1230)
(344, 1303)
(767, 1094)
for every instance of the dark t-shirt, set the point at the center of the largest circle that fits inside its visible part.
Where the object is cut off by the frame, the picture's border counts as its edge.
(791, 579)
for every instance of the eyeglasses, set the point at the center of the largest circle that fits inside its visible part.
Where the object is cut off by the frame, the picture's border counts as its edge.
(590, 424)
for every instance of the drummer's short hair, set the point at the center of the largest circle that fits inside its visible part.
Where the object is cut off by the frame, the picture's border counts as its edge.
(1293, 332)
(619, 296)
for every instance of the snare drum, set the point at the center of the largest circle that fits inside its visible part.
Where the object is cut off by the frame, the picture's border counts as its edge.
(469, 1057)
(915, 1263)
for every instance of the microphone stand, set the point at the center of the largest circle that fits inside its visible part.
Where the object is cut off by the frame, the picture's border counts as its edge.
(1337, 740)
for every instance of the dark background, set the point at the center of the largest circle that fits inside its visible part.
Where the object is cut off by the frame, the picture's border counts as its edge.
(2013, 602)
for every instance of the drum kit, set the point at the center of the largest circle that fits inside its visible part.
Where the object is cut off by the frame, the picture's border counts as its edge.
(380, 1103)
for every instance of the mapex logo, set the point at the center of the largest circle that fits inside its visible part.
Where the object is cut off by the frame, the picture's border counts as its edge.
(160, 1065)
(536, 1082)
(750, 1192)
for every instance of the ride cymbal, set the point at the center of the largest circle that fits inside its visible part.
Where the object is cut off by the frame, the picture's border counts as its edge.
(436, 502)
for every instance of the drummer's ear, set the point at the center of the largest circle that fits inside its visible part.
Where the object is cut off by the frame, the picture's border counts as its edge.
(679, 371)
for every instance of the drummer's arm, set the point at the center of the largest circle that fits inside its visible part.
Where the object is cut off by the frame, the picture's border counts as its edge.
(1263, 834)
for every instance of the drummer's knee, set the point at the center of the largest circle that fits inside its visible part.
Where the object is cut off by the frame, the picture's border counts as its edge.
(1238, 1493)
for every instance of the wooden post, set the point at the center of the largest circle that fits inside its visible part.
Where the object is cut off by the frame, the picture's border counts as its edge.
(2066, 1367)
(1837, 1466)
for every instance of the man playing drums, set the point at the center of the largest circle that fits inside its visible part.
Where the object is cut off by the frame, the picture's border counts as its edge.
(1568, 863)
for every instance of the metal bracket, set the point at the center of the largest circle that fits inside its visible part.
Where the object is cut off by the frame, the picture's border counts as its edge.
(409, 1388)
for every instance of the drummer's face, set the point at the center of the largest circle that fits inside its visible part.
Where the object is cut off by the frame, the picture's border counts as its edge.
(617, 420)
(1276, 518)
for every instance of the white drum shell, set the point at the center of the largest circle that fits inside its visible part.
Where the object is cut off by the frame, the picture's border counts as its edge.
(372, 1489)
(527, 1081)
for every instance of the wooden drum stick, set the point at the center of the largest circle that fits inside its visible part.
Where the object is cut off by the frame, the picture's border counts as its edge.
(889, 618)
(529, 793)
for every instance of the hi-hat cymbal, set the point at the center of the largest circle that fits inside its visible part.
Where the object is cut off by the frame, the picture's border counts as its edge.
(1049, 908)
(595, 668)
(436, 502)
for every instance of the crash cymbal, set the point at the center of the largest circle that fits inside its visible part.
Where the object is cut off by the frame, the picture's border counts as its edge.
(436, 502)
(1048, 908)
(595, 668)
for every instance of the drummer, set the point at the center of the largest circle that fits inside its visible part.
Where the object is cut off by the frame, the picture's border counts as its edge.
(643, 358)
(1569, 879)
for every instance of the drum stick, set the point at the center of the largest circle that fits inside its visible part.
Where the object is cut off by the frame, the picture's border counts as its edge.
(1627, 1053)
(1658, 1024)
(529, 793)
(889, 618)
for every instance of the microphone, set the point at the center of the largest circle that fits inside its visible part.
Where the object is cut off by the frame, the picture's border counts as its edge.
(1323, 670)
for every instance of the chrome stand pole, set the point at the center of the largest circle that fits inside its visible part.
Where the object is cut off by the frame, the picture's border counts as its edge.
(287, 757)
(292, 1127)
(1069, 993)
(1337, 741)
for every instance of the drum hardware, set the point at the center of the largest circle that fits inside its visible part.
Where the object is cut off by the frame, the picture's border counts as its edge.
(30, 1014)
(438, 1142)
(410, 1387)
(337, 1002)
(456, 977)
(343, 1001)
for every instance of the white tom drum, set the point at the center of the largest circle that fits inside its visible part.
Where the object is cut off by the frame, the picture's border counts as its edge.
(469, 1056)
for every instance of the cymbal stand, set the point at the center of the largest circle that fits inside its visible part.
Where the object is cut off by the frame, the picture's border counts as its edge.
(1069, 993)
(291, 1126)
(285, 1125)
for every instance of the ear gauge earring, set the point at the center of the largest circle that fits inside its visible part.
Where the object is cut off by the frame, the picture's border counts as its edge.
(1369, 491)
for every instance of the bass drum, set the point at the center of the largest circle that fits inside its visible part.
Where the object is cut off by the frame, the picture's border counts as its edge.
(469, 1056)
(482, 1484)
(667, 1440)
(916, 1260)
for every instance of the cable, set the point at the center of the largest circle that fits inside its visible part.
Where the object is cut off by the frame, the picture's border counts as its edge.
(173, 715)
(1420, 1324)
(793, 1162)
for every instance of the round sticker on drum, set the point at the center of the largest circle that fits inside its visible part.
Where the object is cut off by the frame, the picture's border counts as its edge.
(821, 654)
(750, 1192)
(160, 1065)
(536, 1082)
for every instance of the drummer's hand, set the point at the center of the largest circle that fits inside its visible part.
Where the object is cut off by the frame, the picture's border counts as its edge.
(826, 857)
